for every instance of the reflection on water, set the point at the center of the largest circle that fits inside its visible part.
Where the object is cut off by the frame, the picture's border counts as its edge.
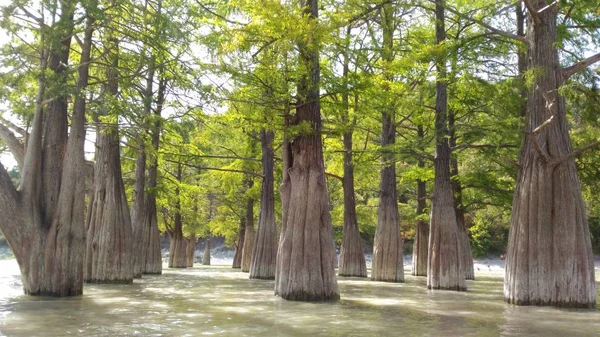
(222, 301)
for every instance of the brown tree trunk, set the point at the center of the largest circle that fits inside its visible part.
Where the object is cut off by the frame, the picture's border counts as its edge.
(352, 257)
(420, 249)
(177, 243)
(191, 250)
(239, 245)
(549, 257)
(444, 267)
(109, 238)
(137, 211)
(206, 255)
(264, 255)
(152, 251)
(306, 256)
(388, 260)
(249, 235)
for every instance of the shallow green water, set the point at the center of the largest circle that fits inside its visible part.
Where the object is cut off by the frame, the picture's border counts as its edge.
(221, 301)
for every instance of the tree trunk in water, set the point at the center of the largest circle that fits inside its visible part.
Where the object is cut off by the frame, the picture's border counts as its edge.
(388, 260)
(239, 245)
(248, 237)
(306, 256)
(177, 243)
(109, 238)
(549, 257)
(191, 250)
(444, 267)
(420, 249)
(206, 255)
(264, 255)
(137, 212)
(152, 250)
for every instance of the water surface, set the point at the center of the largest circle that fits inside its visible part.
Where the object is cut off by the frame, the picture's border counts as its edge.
(218, 300)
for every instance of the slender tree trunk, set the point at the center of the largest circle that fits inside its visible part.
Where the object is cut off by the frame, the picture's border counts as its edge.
(306, 256)
(249, 235)
(549, 257)
(110, 237)
(352, 257)
(206, 255)
(388, 259)
(420, 249)
(152, 252)
(191, 250)
(177, 243)
(239, 245)
(264, 255)
(444, 261)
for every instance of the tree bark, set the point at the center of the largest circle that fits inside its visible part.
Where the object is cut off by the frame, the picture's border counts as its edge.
(352, 257)
(177, 243)
(110, 238)
(137, 211)
(264, 255)
(239, 245)
(420, 249)
(549, 257)
(249, 235)
(191, 250)
(444, 261)
(388, 257)
(306, 256)
(206, 255)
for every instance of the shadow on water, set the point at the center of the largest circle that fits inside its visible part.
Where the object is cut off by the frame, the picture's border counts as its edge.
(221, 301)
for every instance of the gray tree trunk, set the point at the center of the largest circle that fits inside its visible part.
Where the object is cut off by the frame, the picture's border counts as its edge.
(420, 249)
(388, 257)
(305, 264)
(191, 250)
(137, 211)
(177, 243)
(206, 255)
(549, 257)
(264, 255)
(248, 236)
(239, 245)
(444, 267)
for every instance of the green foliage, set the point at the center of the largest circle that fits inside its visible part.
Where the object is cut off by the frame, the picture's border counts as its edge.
(489, 232)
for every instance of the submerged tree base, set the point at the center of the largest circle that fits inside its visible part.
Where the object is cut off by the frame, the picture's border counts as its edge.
(310, 297)
(573, 305)
(122, 281)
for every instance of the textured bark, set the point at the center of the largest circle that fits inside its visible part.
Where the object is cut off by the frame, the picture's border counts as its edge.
(444, 267)
(264, 254)
(50, 252)
(206, 255)
(306, 256)
(177, 243)
(239, 245)
(191, 250)
(137, 212)
(152, 252)
(420, 249)
(388, 260)
(549, 256)
(15, 146)
(352, 257)
(109, 237)
(249, 236)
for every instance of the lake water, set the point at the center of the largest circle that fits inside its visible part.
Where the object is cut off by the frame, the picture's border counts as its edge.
(218, 300)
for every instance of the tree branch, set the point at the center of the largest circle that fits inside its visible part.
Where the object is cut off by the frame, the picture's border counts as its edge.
(11, 210)
(572, 70)
(482, 146)
(574, 153)
(215, 168)
(14, 145)
(334, 176)
(532, 11)
(485, 25)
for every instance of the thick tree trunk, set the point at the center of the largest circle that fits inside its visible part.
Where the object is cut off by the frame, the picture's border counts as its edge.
(206, 255)
(549, 257)
(264, 255)
(152, 251)
(388, 258)
(420, 249)
(444, 267)
(306, 256)
(249, 236)
(239, 245)
(110, 238)
(191, 250)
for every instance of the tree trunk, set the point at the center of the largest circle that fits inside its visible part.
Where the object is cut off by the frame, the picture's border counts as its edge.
(422, 229)
(152, 252)
(177, 243)
(306, 256)
(388, 260)
(239, 245)
(137, 211)
(249, 236)
(264, 255)
(191, 250)
(352, 257)
(206, 255)
(444, 267)
(109, 253)
(549, 257)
